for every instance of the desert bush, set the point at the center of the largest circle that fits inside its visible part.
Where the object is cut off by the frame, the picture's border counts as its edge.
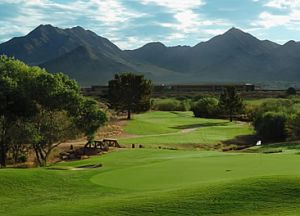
(206, 107)
(250, 111)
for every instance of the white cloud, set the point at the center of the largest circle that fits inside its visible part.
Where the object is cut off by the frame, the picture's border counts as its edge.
(116, 20)
(186, 20)
(283, 4)
(268, 20)
(214, 32)
(132, 42)
(175, 36)
(108, 12)
(176, 5)
(289, 17)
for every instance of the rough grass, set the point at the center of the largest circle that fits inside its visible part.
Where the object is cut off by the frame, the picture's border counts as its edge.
(158, 182)
(257, 102)
(181, 128)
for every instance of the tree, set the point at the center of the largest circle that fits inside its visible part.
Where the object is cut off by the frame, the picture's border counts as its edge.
(21, 135)
(47, 105)
(54, 127)
(63, 113)
(291, 91)
(89, 118)
(15, 101)
(129, 92)
(230, 102)
(50, 129)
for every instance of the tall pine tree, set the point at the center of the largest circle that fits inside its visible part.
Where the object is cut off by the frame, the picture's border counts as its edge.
(230, 102)
(130, 92)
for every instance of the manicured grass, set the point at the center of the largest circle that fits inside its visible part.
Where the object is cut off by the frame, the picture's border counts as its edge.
(181, 129)
(159, 122)
(158, 182)
(162, 182)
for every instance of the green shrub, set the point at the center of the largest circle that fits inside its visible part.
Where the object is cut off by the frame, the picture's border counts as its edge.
(293, 126)
(271, 126)
(275, 105)
(277, 119)
(186, 104)
(250, 111)
(293, 109)
(206, 108)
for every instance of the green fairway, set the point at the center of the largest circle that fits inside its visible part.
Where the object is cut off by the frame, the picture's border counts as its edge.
(181, 129)
(158, 182)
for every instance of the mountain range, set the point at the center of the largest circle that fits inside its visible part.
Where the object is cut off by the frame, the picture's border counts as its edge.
(234, 56)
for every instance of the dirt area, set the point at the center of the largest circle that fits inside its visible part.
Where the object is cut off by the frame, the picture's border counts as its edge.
(188, 130)
(111, 130)
(90, 166)
(75, 143)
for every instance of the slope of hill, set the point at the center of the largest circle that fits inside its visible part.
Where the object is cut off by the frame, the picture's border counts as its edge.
(47, 42)
(80, 53)
(91, 59)
(233, 56)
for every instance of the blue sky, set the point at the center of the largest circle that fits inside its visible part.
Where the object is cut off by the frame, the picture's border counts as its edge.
(132, 23)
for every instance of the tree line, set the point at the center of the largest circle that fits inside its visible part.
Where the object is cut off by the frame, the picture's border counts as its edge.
(273, 120)
(132, 93)
(39, 110)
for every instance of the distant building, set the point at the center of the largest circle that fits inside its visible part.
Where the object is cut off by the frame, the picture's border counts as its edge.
(179, 89)
(96, 91)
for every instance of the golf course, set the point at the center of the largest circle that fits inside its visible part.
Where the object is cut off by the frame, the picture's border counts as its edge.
(181, 129)
(160, 181)
(150, 108)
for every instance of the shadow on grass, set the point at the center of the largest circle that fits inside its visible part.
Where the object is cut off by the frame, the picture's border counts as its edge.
(207, 124)
(240, 143)
(287, 145)
(245, 140)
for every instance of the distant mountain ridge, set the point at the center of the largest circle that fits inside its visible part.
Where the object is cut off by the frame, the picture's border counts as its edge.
(234, 56)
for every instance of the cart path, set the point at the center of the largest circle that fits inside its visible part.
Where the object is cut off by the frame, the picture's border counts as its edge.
(183, 131)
